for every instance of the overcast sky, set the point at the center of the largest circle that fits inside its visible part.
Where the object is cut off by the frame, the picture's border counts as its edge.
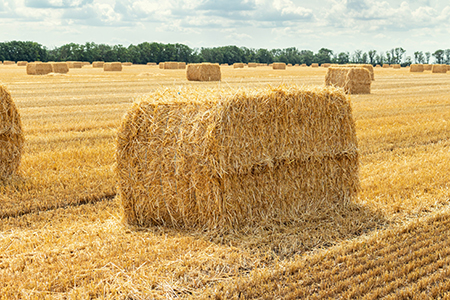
(340, 25)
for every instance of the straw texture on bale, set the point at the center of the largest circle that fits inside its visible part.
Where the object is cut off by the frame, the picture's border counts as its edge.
(11, 135)
(369, 67)
(8, 62)
(38, 68)
(210, 158)
(289, 65)
(416, 68)
(278, 66)
(252, 65)
(171, 65)
(182, 65)
(127, 64)
(85, 63)
(377, 66)
(386, 66)
(326, 65)
(74, 64)
(427, 67)
(352, 80)
(396, 66)
(161, 65)
(203, 72)
(224, 65)
(113, 66)
(98, 64)
(60, 67)
(439, 69)
(304, 65)
(315, 65)
(22, 63)
(238, 65)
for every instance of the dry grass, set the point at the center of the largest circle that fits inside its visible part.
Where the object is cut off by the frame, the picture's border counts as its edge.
(85, 251)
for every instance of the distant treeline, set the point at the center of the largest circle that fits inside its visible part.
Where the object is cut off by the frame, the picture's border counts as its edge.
(158, 52)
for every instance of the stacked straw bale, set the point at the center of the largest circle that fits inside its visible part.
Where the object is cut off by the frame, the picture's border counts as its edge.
(252, 65)
(161, 65)
(98, 64)
(60, 67)
(11, 135)
(22, 63)
(396, 66)
(314, 65)
(427, 67)
(203, 72)
(113, 66)
(278, 66)
(416, 68)
(171, 65)
(386, 66)
(224, 159)
(238, 65)
(39, 68)
(352, 80)
(439, 69)
(8, 62)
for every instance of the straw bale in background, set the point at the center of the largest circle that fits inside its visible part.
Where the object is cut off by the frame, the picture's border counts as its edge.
(252, 65)
(224, 65)
(161, 65)
(172, 65)
(22, 63)
(8, 62)
(11, 135)
(279, 66)
(386, 66)
(396, 66)
(238, 65)
(416, 68)
(113, 66)
(352, 80)
(85, 63)
(289, 65)
(427, 67)
(304, 65)
(151, 64)
(209, 158)
(314, 65)
(127, 64)
(203, 72)
(439, 69)
(74, 64)
(60, 67)
(377, 66)
(39, 68)
(326, 65)
(182, 65)
(98, 64)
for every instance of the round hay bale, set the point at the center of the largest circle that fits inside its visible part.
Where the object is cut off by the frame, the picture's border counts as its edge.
(11, 135)
(203, 72)
(439, 69)
(278, 66)
(209, 157)
(416, 68)
(113, 66)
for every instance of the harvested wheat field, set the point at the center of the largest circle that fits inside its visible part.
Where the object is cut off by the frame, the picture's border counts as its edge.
(62, 234)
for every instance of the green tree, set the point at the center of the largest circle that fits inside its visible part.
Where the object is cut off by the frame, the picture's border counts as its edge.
(427, 57)
(372, 55)
(439, 56)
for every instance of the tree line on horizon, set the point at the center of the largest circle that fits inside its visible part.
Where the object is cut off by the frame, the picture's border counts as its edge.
(159, 52)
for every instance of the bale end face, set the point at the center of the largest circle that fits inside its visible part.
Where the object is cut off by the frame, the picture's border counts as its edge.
(11, 135)
(203, 72)
(352, 80)
(60, 67)
(38, 68)
(210, 158)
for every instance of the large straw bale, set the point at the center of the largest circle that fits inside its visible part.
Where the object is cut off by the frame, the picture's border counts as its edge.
(171, 65)
(39, 68)
(352, 80)
(238, 65)
(427, 67)
(396, 66)
(11, 135)
(182, 65)
(60, 67)
(98, 64)
(252, 65)
(416, 68)
(214, 158)
(113, 66)
(278, 66)
(8, 62)
(369, 67)
(203, 72)
(439, 69)
(386, 66)
(22, 63)
(314, 65)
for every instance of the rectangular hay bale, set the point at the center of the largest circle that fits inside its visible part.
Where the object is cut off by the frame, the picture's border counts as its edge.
(113, 66)
(60, 67)
(182, 65)
(439, 68)
(39, 68)
(238, 65)
(203, 72)
(170, 65)
(352, 80)
(416, 68)
(427, 67)
(279, 66)
(22, 63)
(208, 158)
(314, 65)
(98, 64)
